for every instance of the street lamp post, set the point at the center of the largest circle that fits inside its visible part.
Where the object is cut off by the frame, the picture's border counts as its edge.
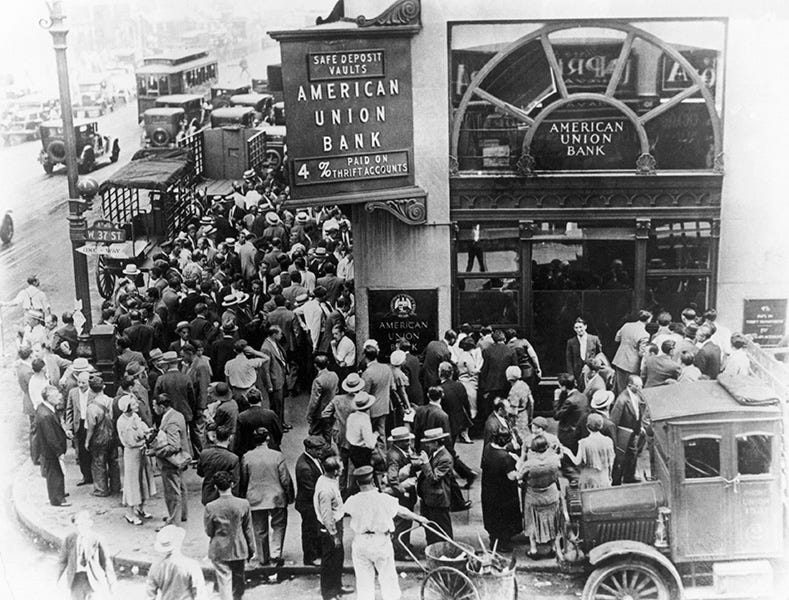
(56, 26)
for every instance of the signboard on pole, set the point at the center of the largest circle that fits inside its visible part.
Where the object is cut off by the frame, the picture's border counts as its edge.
(765, 321)
(96, 249)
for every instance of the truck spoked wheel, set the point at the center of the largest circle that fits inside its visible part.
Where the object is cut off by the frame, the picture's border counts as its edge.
(627, 580)
(105, 279)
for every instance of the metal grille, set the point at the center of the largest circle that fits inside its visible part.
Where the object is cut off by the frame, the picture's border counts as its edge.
(642, 530)
(194, 143)
(119, 205)
(256, 150)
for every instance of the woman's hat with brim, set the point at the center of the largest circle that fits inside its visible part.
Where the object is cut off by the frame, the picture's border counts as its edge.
(434, 435)
(401, 434)
(363, 401)
(353, 383)
(602, 399)
(168, 539)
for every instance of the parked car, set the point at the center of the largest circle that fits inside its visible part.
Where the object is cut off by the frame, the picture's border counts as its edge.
(22, 117)
(191, 104)
(262, 103)
(221, 93)
(712, 518)
(90, 145)
(96, 97)
(279, 113)
(238, 116)
(163, 127)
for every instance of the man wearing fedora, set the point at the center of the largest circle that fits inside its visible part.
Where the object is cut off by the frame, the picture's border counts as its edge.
(76, 410)
(127, 285)
(378, 381)
(401, 483)
(176, 385)
(335, 418)
(308, 470)
(601, 405)
(434, 483)
(175, 575)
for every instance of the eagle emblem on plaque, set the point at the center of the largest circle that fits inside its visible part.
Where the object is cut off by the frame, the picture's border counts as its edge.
(403, 306)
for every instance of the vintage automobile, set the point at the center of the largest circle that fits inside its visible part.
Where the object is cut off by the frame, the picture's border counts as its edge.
(191, 104)
(238, 116)
(262, 103)
(279, 113)
(23, 116)
(96, 97)
(712, 518)
(163, 127)
(275, 144)
(221, 93)
(91, 145)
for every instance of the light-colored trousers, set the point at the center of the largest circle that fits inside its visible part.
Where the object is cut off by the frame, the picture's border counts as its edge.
(373, 553)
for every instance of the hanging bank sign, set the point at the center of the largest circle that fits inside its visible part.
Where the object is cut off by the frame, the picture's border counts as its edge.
(349, 114)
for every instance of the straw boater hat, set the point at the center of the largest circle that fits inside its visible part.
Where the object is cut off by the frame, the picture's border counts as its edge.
(302, 217)
(249, 174)
(80, 364)
(169, 357)
(602, 399)
(206, 220)
(434, 435)
(168, 539)
(320, 251)
(272, 218)
(131, 270)
(371, 344)
(400, 434)
(353, 383)
(230, 241)
(229, 300)
(363, 401)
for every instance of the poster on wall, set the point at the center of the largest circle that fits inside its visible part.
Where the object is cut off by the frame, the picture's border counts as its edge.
(408, 314)
(765, 321)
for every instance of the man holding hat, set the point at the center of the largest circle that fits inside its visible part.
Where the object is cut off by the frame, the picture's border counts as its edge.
(372, 515)
(176, 575)
(434, 484)
(308, 470)
(401, 483)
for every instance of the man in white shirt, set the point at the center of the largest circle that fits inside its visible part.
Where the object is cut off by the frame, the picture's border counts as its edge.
(38, 381)
(76, 409)
(31, 298)
(329, 509)
(738, 363)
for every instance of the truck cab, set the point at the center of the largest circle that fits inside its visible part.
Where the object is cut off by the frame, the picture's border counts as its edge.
(713, 512)
(233, 116)
(163, 127)
(191, 104)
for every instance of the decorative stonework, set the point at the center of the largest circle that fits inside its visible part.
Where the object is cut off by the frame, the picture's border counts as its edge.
(574, 200)
(717, 165)
(411, 211)
(454, 167)
(646, 164)
(525, 165)
(402, 12)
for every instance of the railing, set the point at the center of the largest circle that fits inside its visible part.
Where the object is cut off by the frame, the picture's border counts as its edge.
(194, 143)
(256, 150)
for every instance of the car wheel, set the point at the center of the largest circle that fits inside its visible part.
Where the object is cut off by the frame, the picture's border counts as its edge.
(7, 229)
(634, 579)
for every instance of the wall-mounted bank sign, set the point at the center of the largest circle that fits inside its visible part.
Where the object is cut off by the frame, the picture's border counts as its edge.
(765, 320)
(349, 114)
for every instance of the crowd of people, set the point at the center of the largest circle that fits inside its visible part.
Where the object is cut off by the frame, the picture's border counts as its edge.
(247, 310)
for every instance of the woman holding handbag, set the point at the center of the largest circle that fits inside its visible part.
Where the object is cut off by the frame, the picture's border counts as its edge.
(138, 483)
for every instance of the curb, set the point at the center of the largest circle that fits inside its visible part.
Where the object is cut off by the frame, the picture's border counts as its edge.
(125, 564)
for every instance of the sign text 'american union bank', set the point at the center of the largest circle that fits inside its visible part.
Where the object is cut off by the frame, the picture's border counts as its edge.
(349, 103)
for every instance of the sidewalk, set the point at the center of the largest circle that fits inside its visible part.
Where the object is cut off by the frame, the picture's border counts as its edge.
(133, 545)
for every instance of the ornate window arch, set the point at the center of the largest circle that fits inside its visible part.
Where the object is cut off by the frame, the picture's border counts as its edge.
(645, 162)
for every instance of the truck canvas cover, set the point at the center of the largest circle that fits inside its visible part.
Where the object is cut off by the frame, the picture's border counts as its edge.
(152, 169)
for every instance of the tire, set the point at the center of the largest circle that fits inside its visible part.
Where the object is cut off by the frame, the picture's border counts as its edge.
(105, 279)
(48, 167)
(160, 137)
(88, 161)
(7, 229)
(447, 583)
(631, 578)
(56, 150)
(274, 159)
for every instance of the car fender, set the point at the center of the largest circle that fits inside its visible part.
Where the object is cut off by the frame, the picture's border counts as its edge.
(620, 548)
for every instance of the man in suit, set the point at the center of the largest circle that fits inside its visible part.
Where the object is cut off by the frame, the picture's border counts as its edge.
(416, 395)
(455, 404)
(493, 375)
(68, 334)
(81, 552)
(324, 388)
(331, 282)
(708, 357)
(434, 483)
(660, 368)
(580, 348)
(401, 483)
(277, 371)
(630, 412)
(50, 445)
(436, 352)
(76, 409)
(430, 415)
(215, 458)
(176, 385)
(174, 427)
(228, 524)
(497, 422)
(378, 383)
(201, 328)
(254, 418)
(570, 409)
(266, 484)
(139, 334)
(595, 380)
(633, 338)
(308, 469)
(286, 320)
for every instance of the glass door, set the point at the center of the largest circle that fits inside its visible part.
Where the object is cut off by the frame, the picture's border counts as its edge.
(579, 270)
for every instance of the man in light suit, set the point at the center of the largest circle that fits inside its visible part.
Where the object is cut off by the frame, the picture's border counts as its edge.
(266, 484)
(630, 411)
(76, 409)
(324, 388)
(277, 366)
(50, 445)
(632, 338)
(174, 426)
(378, 382)
(580, 348)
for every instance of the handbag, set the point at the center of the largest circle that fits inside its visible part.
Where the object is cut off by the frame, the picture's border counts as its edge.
(161, 447)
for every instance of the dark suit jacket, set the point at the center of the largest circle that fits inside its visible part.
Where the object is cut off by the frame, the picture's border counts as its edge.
(252, 418)
(455, 404)
(435, 353)
(492, 426)
(572, 356)
(496, 358)
(622, 414)
(571, 414)
(289, 323)
(429, 416)
(659, 369)
(332, 284)
(140, 338)
(396, 459)
(434, 479)
(180, 390)
(307, 473)
(49, 438)
(276, 365)
(212, 460)
(228, 522)
(324, 388)
(708, 360)
(410, 367)
(221, 352)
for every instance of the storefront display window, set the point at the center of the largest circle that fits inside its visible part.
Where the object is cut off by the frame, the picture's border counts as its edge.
(679, 245)
(488, 301)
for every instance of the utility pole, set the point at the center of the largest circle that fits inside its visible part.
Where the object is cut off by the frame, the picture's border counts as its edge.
(56, 26)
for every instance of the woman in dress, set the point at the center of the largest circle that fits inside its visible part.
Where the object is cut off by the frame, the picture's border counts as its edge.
(469, 365)
(138, 483)
(541, 501)
(501, 511)
(595, 455)
(521, 401)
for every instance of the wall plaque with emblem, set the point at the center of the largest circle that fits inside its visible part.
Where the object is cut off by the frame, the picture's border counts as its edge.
(408, 314)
